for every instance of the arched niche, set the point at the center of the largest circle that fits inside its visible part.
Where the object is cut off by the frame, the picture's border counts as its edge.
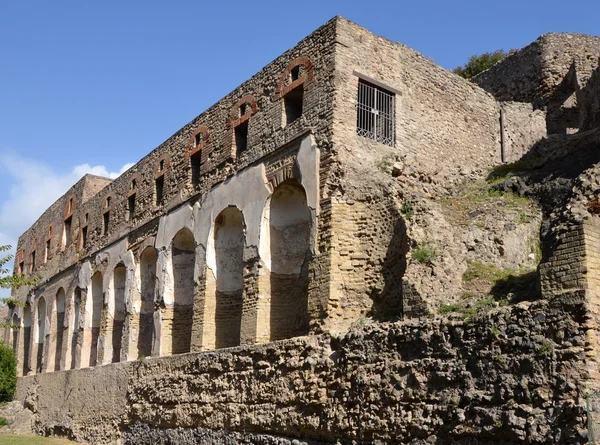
(113, 335)
(92, 322)
(177, 316)
(145, 307)
(40, 339)
(26, 343)
(57, 329)
(225, 281)
(285, 245)
(75, 330)
(14, 330)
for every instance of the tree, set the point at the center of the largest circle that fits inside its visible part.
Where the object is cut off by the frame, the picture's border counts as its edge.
(8, 280)
(8, 373)
(479, 63)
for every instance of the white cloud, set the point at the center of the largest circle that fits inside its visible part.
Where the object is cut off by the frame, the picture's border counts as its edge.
(32, 188)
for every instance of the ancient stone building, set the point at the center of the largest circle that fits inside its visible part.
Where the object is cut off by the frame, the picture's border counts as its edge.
(300, 239)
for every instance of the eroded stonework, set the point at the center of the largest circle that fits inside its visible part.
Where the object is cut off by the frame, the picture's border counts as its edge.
(284, 270)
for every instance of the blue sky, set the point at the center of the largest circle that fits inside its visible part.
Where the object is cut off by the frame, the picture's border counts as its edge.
(93, 86)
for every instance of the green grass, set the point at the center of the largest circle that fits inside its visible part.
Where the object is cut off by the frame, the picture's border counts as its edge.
(6, 439)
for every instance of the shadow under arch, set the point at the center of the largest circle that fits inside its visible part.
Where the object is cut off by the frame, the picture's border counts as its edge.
(145, 337)
(183, 260)
(285, 250)
(225, 281)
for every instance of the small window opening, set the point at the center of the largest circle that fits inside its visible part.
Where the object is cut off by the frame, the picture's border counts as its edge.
(196, 161)
(133, 184)
(67, 231)
(106, 223)
(242, 109)
(161, 165)
(293, 104)
(70, 206)
(131, 207)
(86, 218)
(159, 186)
(241, 138)
(84, 232)
(295, 73)
(21, 267)
(47, 251)
(32, 268)
(198, 139)
(375, 113)
(108, 202)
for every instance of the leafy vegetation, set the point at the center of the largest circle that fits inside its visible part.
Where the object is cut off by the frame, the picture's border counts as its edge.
(8, 281)
(8, 373)
(407, 210)
(479, 63)
(424, 254)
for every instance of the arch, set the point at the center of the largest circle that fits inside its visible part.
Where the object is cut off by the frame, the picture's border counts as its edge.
(304, 75)
(225, 281)
(284, 248)
(115, 315)
(40, 339)
(57, 328)
(145, 307)
(177, 316)
(92, 322)
(14, 330)
(26, 348)
(242, 110)
(76, 322)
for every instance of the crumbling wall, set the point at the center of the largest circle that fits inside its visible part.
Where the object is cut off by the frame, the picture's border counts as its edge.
(589, 100)
(522, 128)
(443, 381)
(534, 73)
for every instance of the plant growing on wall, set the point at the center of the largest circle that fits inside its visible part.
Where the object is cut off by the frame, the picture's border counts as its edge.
(8, 373)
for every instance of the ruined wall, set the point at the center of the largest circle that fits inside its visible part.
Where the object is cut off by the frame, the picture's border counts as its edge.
(442, 381)
(535, 72)
(445, 128)
(522, 128)
(589, 100)
(257, 103)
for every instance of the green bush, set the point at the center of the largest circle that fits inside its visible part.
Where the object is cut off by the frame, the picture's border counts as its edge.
(3, 421)
(479, 63)
(8, 373)
(424, 254)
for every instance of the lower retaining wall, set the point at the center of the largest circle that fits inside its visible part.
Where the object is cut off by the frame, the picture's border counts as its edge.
(515, 375)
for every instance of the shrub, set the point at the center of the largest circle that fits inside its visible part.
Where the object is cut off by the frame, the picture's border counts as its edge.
(8, 373)
(424, 254)
(479, 63)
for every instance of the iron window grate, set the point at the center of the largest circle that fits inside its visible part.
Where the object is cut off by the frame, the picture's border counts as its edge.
(375, 113)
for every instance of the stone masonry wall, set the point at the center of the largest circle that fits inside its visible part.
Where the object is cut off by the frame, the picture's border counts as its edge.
(260, 98)
(513, 376)
(533, 73)
(589, 100)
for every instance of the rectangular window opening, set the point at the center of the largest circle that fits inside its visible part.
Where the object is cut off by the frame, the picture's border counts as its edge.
(159, 186)
(375, 111)
(67, 232)
(196, 163)
(106, 223)
(131, 207)
(47, 251)
(84, 232)
(32, 269)
(241, 138)
(293, 104)
(21, 267)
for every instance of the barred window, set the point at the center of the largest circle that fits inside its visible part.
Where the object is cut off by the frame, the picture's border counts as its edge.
(375, 113)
